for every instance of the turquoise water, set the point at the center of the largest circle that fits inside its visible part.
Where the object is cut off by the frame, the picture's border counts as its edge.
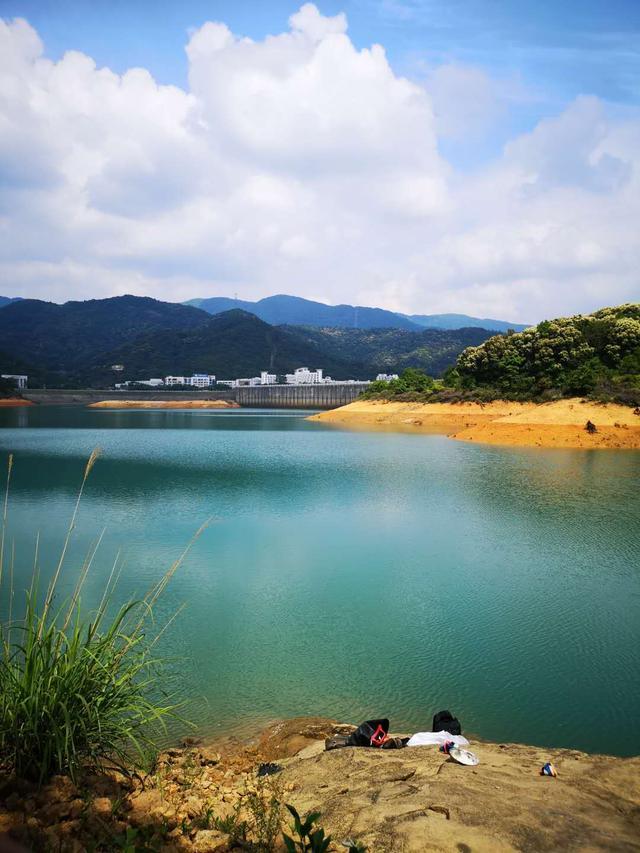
(353, 574)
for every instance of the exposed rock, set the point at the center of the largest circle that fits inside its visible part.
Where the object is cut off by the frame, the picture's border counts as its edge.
(210, 841)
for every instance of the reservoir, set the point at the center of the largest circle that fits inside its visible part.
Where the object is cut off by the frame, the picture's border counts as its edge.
(352, 574)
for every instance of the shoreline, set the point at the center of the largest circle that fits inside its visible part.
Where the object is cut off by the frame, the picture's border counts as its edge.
(14, 402)
(558, 424)
(411, 799)
(164, 404)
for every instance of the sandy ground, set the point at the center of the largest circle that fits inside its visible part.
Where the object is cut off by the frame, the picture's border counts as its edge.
(558, 424)
(392, 801)
(10, 402)
(164, 404)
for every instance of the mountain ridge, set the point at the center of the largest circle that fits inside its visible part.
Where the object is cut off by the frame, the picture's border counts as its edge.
(77, 343)
(296, 310)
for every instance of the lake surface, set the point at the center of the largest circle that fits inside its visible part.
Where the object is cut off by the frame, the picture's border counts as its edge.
(353, 574)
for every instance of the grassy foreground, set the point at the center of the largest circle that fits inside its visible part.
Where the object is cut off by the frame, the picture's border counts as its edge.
(77, 689)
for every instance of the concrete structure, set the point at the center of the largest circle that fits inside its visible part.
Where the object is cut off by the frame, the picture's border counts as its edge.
(18, 379)
(256, 396)
(386, 377)
(268, 378)
(325, 396)
(170, 381)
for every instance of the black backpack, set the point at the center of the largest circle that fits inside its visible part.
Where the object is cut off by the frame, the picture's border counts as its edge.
(444, 721)
(370, 733)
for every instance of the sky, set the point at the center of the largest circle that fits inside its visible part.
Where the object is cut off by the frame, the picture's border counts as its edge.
(426, 156)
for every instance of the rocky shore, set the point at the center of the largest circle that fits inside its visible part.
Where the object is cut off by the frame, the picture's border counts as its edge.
(558, 424)
(208, 797)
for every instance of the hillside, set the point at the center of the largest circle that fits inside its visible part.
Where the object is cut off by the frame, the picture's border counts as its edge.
(236, 343)
(393, 350)
(595, 355)
(460, 321)
(56, 343)
(585, 354)
(77, 343)
(7, 300)
(295, 311)
(231, 344)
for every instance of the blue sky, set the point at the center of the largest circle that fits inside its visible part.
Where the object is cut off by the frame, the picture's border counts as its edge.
(564, 48)
(495, 189)
(558, 49)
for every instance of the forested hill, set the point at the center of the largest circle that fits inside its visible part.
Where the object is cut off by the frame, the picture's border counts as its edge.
(76, 344)
(296, 311)
(596, 354)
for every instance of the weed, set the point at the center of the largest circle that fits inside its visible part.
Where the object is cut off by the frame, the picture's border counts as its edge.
(265, 808)
(232, 825)
(75, 689)
(309, 839)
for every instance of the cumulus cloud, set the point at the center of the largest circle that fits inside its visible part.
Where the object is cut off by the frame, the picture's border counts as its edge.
(302, 164)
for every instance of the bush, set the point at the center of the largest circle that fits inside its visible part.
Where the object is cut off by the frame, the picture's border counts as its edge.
(76, 690)
(410, 385)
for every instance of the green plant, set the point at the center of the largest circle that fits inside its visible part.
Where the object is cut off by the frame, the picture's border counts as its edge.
(78, 690)
(265, 808)
(235, 828)
(310, 839)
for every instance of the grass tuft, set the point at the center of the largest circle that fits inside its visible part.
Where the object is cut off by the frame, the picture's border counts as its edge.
(78, 691)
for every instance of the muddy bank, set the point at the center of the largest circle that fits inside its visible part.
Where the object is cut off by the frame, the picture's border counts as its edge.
(197, 797)
(164, 404)
(558, 424)
(10, 402)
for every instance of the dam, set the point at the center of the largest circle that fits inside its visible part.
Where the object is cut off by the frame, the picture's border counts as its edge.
(299, 396)
(256, 396)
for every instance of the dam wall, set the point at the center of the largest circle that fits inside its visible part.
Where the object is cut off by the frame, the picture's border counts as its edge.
(299, 396)
(257, 396)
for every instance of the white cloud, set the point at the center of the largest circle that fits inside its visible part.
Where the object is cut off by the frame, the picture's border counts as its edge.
(301, 164)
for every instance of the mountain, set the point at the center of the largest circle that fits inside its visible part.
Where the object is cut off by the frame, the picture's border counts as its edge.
(392, 350)
(460, 321)
(7, 300)
(237, 343)
(54, 343)
(231, 344)
(76, 344)
(295, 311)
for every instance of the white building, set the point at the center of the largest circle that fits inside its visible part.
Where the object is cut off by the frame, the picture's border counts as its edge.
(304, 376)
(152, 383)
(386, 377)
(201, 380)
(198, 380)
(268, 378)
(18, 379)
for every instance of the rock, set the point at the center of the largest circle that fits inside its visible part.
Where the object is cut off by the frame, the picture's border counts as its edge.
(76, 808)
(210, 841)
(14, 802)
(102, 806)
(209, 758)
(59, 788)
